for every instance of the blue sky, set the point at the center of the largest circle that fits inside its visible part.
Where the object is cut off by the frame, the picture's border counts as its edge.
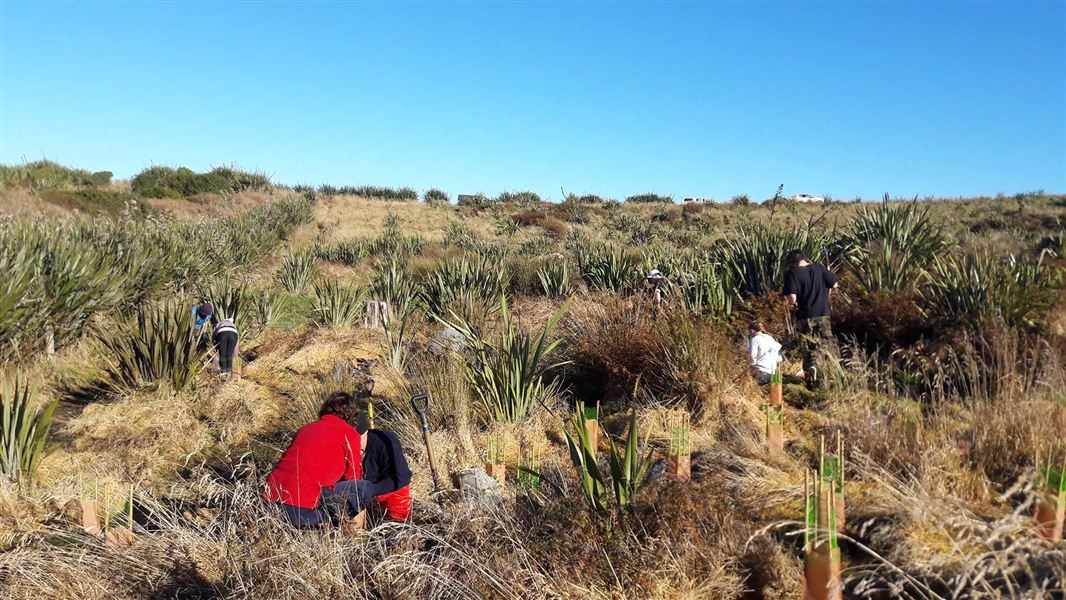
(688, 99)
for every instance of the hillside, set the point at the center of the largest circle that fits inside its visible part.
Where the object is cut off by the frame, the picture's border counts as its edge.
(947, 398)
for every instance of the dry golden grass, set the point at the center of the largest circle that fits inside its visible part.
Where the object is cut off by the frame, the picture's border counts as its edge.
(936, 497)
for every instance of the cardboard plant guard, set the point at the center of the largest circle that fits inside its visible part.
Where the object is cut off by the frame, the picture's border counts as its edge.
(775, 411)
(821, 567)
(680, 454)
(1051, 500)
(591, 415)
(495, 452)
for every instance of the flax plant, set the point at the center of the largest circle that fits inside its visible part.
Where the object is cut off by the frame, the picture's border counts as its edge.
(508, 375)
(24, 431)
(154, 346)
(337, 305)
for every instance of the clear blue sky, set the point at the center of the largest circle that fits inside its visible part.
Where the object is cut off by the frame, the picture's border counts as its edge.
(851, 99)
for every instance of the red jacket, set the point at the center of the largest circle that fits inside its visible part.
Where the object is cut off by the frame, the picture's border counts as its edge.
(321, 454)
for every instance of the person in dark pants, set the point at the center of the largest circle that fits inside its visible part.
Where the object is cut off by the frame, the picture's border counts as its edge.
(385, 469)
(808, 287)
(318, 480)
(226, 346)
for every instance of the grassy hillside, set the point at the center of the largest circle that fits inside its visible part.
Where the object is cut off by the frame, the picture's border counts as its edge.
(951, 320)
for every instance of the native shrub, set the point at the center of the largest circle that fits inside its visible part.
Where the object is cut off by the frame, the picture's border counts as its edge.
(24, 431)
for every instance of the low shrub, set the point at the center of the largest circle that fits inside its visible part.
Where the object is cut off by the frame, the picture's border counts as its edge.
(24, 431)
(978, 286)
(49, 175)
(168, 182)
(297, 270)
(649, 198)
(524, 198)
(555, 228)
(691, 211)
(93, 201)
(508, 375)
(337, 305)
(435, 197)
(477, 201)
(154, 346)
(378, 193)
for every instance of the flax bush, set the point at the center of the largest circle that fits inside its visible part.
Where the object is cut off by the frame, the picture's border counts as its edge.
(24, 430)
(891, 248)
(153, 347)
(508, 375)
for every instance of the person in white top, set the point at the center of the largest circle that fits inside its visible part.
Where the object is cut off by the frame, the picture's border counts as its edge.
(765, 353)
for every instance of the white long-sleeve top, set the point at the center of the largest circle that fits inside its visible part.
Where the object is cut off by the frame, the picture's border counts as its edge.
(765, 352)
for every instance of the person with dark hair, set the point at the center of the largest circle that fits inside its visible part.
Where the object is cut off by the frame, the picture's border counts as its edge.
(807, 288)
(201, 314)
(385, 469)
(765, 353)
(226, 346)
(319, 478)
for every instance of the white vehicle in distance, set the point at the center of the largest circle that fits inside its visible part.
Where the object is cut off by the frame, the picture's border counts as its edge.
(807, 198)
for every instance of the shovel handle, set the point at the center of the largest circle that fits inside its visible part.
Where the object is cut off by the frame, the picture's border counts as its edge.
(420, 403)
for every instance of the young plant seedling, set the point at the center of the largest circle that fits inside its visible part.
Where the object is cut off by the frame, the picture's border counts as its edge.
(495, 453)
(1051, 498)
(831, 468)
(680, 454)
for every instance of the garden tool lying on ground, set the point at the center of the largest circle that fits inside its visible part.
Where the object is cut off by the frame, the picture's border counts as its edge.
(420, 403)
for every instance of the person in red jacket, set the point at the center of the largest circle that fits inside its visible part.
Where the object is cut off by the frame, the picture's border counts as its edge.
(319, 478)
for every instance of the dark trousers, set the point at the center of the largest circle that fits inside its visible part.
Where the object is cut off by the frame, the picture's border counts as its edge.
(819, 348)
(225, 343)
(346, 499)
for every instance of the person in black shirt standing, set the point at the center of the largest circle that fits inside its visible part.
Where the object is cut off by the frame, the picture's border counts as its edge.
(807, 289)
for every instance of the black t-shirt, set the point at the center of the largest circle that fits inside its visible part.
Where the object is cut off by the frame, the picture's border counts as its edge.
(811, 285)
(384, 465)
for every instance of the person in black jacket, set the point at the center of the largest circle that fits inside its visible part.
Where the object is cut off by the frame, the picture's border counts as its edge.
(385, 469)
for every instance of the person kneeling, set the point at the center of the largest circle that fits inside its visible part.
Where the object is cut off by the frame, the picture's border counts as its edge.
(385, 469)
(319, 479)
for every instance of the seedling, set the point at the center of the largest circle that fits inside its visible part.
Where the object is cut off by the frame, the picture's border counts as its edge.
(775, 412)
(495, 453)
(1051, 498)
(529, 469)
(831, 468)
(680, 453)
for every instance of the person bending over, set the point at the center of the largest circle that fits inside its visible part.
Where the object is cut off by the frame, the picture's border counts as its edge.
(765, 353)
(226, 346)
(318, 480)
(385, 469)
